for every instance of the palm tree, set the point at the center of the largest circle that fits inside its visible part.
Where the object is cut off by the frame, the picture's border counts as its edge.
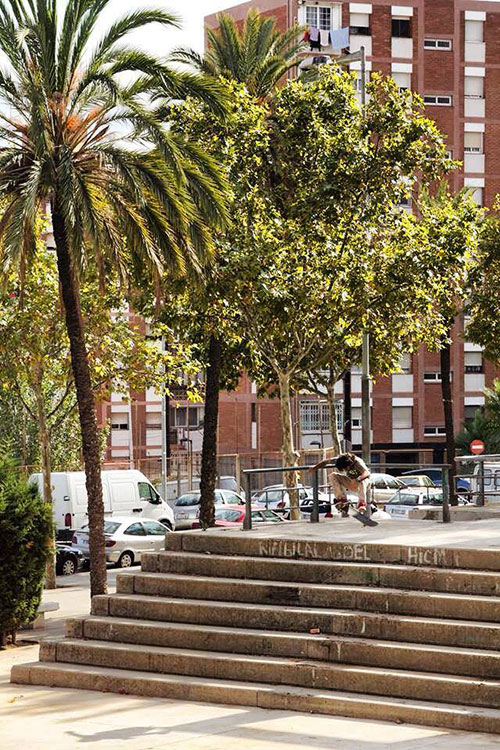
(259, 55)
(79, 130)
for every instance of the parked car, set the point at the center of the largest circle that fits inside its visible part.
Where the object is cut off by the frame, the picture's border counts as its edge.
(418, 480)
(68, 559)
(382, 488)
(228, 482)
(463, 484)
(404, 501)
(125, 492)
(126, 539)
(186, 506)
(234, 516)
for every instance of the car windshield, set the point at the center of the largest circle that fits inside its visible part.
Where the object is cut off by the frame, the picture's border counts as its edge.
(227, 514)
(413, 481)
(403, 498)
(268, 515)
(190, 498)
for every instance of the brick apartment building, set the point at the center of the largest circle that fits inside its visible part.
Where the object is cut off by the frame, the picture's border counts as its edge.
(449, 52)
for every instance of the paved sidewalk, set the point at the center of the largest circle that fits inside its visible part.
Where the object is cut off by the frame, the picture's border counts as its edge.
(41, 718)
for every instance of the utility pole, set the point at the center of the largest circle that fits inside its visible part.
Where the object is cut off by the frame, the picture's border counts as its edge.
(165, 434)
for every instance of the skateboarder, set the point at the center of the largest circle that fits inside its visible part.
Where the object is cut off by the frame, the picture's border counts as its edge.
(352, 474)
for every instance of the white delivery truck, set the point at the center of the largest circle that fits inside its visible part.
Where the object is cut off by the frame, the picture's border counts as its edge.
(491, 470)
(126, 492)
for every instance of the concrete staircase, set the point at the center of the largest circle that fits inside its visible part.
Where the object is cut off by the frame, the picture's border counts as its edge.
(407, 634)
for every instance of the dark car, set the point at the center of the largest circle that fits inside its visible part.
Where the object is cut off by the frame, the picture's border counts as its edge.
(68, 560)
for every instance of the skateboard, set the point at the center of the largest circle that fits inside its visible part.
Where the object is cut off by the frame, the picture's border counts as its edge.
(364, 519)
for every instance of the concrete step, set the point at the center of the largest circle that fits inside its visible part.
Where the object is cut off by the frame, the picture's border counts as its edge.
(230, 542)
(386, 600)
(410, 577)
(276, 670)
(344, 649)
(485, 635)
(258, 694)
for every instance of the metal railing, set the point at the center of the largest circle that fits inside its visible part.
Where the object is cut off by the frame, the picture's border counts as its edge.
(250, 473)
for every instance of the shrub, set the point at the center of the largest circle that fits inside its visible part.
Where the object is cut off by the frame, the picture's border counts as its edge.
(26, 534)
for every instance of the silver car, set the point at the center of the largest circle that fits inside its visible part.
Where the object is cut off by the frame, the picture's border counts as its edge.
(187, 506)
(126, 539)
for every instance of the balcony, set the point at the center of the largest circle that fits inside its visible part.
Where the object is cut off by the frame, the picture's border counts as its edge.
(402, 383)
(475, 52)
(474, 163)
(474, 107)
(401, 47)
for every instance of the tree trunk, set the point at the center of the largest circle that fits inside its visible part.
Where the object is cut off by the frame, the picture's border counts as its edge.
(332, 419)
(289, 455)
(446, 390)
(43, 435)
(86, 405)
(209, 447)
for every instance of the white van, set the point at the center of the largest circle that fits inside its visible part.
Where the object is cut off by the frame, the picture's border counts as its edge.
(126, 492)
(491, 482)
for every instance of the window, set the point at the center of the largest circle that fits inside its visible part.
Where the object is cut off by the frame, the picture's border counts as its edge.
(401, 27)
(405, 363)
(187, 416)
(356, 417)
(319, 16)
(473, 143)
(119, 421)
(187, 500)
(439, 101)
(154, 529)
(443, 44)
(153, 420)
(470, 412)
(432, 377)
(474, 31)
(360, 31)
(473, 362)
(434, 431)
(403, 80)
(402, 417)
(474, 87)
(315, 417)
(135, 529)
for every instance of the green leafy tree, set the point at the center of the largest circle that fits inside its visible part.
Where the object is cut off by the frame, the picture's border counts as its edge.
(452, 223)
(35, 359)
(26, 531)
(485, 425)
(324, 251)
(258, 54)
(78, 132)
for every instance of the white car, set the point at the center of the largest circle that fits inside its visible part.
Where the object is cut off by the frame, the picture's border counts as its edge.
(418, 480)
(382, 488)
(276, 497)
(402, 503)
(187, 506)
(126, 539)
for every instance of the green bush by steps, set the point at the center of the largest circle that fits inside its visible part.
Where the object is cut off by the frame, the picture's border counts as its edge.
(26, 534)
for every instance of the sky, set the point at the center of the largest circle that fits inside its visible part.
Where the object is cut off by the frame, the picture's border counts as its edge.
(191, 12)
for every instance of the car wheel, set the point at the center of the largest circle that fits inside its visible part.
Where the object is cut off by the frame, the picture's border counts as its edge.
(166, 523)
(68, 567)
(126, 560)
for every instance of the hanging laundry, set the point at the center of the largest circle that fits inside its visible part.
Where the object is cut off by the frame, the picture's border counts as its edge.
(313, 34)
(340, 38)
(324, 37)
(305, 38)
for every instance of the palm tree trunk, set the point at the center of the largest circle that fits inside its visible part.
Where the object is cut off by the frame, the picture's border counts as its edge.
(209, 447)
(86, 404)
(43, 434)
(288, 450)
(446, 390)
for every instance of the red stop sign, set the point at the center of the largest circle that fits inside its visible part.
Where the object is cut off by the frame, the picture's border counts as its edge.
(477, 446)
